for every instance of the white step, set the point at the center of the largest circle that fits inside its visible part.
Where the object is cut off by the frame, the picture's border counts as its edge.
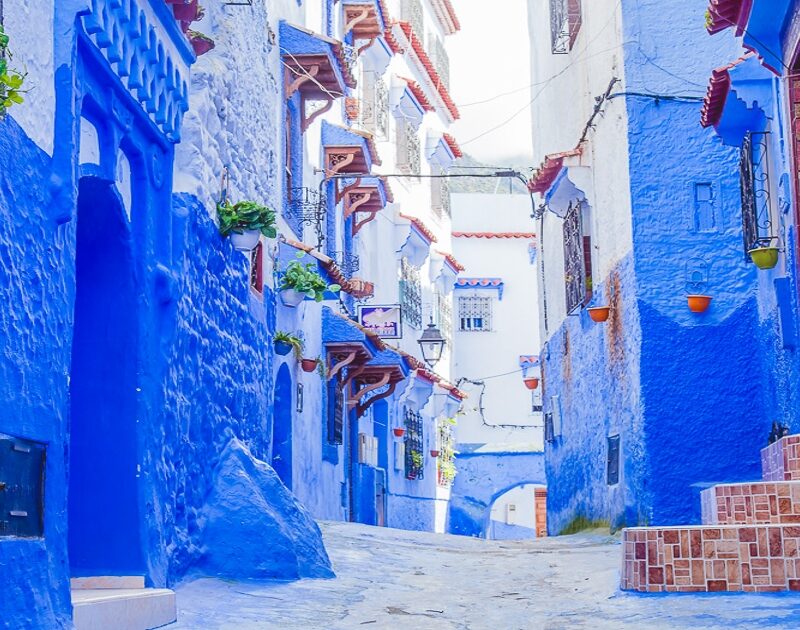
(107, 581)
(123, 608)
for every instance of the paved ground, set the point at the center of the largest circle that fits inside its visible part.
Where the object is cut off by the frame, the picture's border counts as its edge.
(410, 580)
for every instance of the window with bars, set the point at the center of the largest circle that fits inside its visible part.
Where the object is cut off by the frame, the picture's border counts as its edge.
(374, 114)
(408, 148)
(257, 269)
(440, 195)
(577, 259)
(335, 411)
(415, 460)
(445, 462)
(410, 293)
(755, 189)
(411, 12)
(444, 316)
(475, 314)
(440, 58)
(565, 23)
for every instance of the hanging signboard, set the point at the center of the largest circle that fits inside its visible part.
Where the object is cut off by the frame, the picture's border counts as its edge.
(385, 321)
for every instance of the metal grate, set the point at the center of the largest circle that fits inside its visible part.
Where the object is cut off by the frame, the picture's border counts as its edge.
(408, 148)
(411, 12)
(475, 314)
(444, 316)
(257, 269)
(577, 259)
(415, 459)
(374, 115)
(335, 411)
(612, 464)
(440, 59)
(440, 195)
(755, 190)
(565, 22)
(347, 262)
(410, 293)
(306, 206)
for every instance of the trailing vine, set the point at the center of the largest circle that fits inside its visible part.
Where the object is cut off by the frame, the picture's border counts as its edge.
(10, 80)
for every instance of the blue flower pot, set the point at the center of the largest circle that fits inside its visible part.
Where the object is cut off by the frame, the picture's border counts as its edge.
(283, 347)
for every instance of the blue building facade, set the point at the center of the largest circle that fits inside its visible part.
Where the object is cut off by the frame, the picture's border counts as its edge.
(656, 401)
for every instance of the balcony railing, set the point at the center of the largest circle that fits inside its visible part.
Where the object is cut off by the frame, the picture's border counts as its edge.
(306, 206)
(755, 188)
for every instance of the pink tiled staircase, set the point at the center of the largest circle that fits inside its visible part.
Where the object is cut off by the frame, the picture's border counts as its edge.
(749, 539)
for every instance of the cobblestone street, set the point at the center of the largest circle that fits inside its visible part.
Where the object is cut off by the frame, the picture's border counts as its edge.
(396, 579)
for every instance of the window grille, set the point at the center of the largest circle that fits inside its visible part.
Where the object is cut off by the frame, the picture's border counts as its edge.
(444, 316)
(445, 462)
(257, 269)
(565, 22)
(440, 58)
(335, 411)
(475, 314)
(349, 263)
(440, 195)
(307, 207)
(612, 464)
(549, 430)
(408, 148)
(410, 293)
(415, 459)
(374, 114)
(411, 12)
(755, 189)
(577, 260)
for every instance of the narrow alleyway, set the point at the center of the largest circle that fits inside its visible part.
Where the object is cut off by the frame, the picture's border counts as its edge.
(398, 579)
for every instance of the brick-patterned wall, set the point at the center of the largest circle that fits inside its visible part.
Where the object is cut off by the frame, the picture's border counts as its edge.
(751, 503)
(756, 558)
(540, 500)
(780, 461)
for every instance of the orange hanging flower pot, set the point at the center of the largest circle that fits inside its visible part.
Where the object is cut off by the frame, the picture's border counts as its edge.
(434, 453)
(599, 314)
(531, 382)
(398, 431)
(698, 303)
(308, 365)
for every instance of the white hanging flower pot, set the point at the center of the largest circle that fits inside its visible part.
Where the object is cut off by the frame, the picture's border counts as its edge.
(246, 241)
(292, 298)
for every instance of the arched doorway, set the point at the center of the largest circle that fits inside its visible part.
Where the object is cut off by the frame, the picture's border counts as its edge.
(103, 504)
(517, 513)
(282, 426)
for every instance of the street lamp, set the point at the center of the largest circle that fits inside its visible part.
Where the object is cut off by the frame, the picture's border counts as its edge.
(432, 344)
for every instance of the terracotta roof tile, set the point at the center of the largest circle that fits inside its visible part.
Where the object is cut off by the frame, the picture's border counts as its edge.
(419, 94)
(726, 13)
(494, 234)
(453, 144)
(546, 174)
(452, 260)
(717, 92)
(424, 229)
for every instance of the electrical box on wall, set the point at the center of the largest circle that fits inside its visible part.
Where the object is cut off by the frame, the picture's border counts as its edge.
(21, 487)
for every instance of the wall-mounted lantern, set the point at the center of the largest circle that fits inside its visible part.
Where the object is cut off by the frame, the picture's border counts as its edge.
(432, 344)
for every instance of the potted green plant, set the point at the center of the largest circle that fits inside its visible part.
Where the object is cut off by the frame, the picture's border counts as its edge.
(244, 222)
(416, 459)
(447, 471)
(10, 80)
(301, 280)
(286, 342)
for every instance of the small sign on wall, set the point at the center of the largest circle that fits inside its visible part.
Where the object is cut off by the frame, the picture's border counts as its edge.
(385, 321)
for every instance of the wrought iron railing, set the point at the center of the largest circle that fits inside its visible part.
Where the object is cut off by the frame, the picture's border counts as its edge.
(415, 458)
(347, 262)
(410, 293)
(411, 12)
(755, 188)
(306, 206)
(574, 262)
(565, 22)
(408, 148)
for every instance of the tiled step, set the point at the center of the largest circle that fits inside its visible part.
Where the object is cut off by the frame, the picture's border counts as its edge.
(753, 503)
(697, 558)
(780, 461)
(123, 609)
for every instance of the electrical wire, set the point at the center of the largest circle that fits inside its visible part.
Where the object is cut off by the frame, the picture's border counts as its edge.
(304, 72)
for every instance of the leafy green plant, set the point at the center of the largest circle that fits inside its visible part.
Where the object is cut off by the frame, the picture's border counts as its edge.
(246, 215)
(304, 278)
(10, 80)
(448, 471)
(293, 340)
(416, 459)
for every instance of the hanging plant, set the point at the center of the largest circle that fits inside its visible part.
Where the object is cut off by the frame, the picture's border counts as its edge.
(201, 43)
(245, 221)
(301, 281)
(10, 80)
(286, 343)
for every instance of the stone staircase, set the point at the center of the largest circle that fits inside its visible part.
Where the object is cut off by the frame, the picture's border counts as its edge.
(121, 603)
(749, 539)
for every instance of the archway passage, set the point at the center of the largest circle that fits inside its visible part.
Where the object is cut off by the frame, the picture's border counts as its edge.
(103, 506)
(282, 427)
(520, 513)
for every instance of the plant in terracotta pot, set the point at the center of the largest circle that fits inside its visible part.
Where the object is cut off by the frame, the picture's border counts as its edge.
(599, 314)
(286, 342)
(245, 222)
(308, 365)
(698, 303)
(399, 431)
(300, 281)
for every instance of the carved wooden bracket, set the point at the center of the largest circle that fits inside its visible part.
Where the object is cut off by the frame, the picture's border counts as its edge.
(308, 75)
(341, 193)
(362, 408)
(356, 19)
(310, 119)
(338, 159)
(366, 387)
(343, 359)
(354, 201)
(366, 46)
(370, 216)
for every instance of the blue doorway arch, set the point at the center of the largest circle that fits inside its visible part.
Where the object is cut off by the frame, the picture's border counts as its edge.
(103, 506)
(282, 426)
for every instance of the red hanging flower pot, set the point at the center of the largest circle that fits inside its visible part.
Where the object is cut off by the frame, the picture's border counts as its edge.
(434, 453)
(398, 431)
(532, 382)
(599, 314)
(308, 365)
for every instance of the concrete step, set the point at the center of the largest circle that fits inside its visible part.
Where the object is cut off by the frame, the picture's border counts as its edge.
(752, 503)
(780, 461)
(123, 608)
(756, 558)
(107, 581)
